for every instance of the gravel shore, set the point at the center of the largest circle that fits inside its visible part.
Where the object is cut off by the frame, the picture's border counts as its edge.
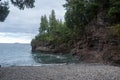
(61, 72)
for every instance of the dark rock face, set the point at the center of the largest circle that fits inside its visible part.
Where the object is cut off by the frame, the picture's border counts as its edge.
(97, 45)
(112, 55)
(73, 52)
(49, 47)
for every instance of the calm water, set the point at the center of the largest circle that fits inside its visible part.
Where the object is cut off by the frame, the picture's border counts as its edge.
(21, 55)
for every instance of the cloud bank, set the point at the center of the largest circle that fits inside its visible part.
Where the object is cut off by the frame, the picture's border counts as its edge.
(28, 20)
(15, 38)
(22, 22)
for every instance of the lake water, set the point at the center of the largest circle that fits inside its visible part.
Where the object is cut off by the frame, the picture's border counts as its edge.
(21, 55)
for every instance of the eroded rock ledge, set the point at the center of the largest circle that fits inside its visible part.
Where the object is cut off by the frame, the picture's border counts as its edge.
(49, 47)
(92, 49)
(97, 45)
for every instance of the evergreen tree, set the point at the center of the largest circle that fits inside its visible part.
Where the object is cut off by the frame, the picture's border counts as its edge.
(4, 11)
(80, 12)
(114, 11)
(21, 4)
(76, 16)
(52, 21)
(43, 25)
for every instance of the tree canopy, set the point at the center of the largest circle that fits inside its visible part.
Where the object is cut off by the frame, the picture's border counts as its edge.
(79, 13)
(52, 29)
(21, 4)
(4, 11)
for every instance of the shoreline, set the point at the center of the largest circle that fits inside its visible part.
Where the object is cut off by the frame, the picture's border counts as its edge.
(61, 72)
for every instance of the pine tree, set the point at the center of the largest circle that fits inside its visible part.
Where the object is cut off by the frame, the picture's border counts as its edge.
(43, 25)
(52, 20)
(52, 23)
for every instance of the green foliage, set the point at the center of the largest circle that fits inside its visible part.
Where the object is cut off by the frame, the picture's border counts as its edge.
(80, 13)
(43, 25)
(117, 30)
(103, 4)
(53, 24)
(52, 30)
(75, 13)
(52, 19)
(4, 10)
(91, 10)
(21, 4)
(114, 11)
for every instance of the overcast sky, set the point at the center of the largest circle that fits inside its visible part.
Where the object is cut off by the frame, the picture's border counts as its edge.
(22, 25)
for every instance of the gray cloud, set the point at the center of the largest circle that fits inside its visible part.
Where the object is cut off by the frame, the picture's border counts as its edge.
(28, 20)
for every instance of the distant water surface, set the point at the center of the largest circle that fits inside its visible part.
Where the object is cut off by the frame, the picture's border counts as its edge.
(21, 55)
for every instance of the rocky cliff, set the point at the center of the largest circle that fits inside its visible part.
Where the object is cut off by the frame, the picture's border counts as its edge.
(99, 44)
